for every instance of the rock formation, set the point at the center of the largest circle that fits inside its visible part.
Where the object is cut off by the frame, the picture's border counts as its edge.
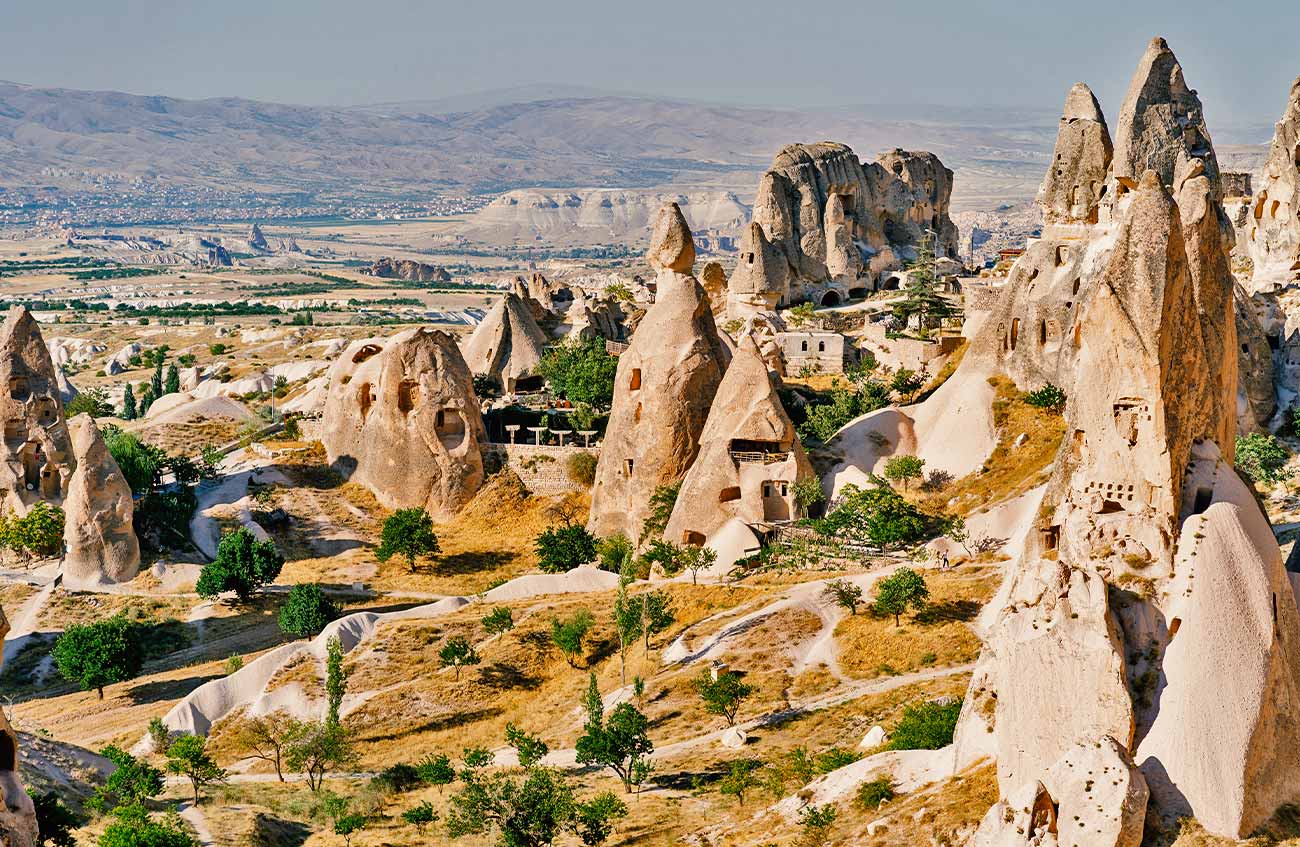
(839, 223)
(664, 386)
(401, 418)
(750, 456)
(409, 270)
(714, 281)
(1274, 225)
(100, 542)
(37, 453)
(256, 239)
(1103, 633)
(1076, 179)
(17, 814)
(761, 279)
(507, 345)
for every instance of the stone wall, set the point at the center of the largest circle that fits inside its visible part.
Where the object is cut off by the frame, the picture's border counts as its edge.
(544, 470)
(911, 353)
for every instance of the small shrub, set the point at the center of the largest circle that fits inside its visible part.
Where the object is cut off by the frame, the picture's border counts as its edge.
(1048, 397)
(581, 468)
(879, 790)
(926, 726)
(234, 664)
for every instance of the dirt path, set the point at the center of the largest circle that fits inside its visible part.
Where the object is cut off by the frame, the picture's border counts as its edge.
(194, 816)
(24, 622)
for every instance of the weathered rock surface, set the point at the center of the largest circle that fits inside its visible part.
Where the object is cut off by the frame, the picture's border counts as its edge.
(100, 542)
(761, 279)
(840, 223)
(37, 453)
(17, 814)
(409, 270)
(1076, 179)
(671, 245)
(1101, 797)
(1026, 818)
(401, 418)
(663, 389)
(507, 345)
(750, 456)
(1274, 225)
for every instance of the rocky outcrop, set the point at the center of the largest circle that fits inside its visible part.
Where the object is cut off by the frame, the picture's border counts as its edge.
(664, 386)
(714, 281)
(1076, 179)
(839, 223)
(17, 814)
(761, 279)
(507, 345)
(1112, 622)
(1161, 127)
(37, 459)
(100, 542)
(1274, 223)
(256, 239)
(401, 418)
(409, 270)
(750, 456)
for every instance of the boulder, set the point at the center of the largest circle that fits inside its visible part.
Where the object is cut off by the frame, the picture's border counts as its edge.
(874, 738)
(507, 346)
(401, 418)
(100, 541)
(734, 738)
(713, 279)
(1101, 798)
(1027, 818)
(750, 457)
(663, 389)
(409, 270)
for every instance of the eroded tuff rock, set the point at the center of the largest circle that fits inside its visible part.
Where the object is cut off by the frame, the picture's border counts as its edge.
(761, 278)
(17, 814)
(840, 223)
(664, 386)
(507, 345)
(37, 451)
(409, 270)
(401, 418)
(1274, 226)
(750, 456)
(1075, 181)
(1161, 126)
(100, 541)
(713, 279)
(1144, 526)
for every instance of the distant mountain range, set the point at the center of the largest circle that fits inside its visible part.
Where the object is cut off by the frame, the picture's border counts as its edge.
(540, 136)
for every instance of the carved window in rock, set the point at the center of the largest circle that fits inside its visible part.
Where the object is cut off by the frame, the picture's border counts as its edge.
(748, 258)
(14, 433)
(803, 346)
(767, 489)
(634, 383)
(1042, 332)
(365, 352)
(1174, 626)
(693, 538)
(47, 411)
(449, 424)
(19, 389)
(1272, 210)
(408, 395)
(32, 460)
(1051, 538)
(1259, 205)
(627, 468)
(1015, 332)
(365, 399)
(1129, 413)
(1062, 254)
(1078, 331)
(821, 346)
(8, 753)
(1202, 500)
(50, 481)
(1074, 289)
(729, 494)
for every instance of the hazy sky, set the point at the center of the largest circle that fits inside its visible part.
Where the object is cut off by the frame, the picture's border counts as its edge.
(826, 52)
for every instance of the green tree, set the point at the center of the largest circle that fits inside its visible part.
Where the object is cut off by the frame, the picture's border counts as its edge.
(904, 469)
(696, 559)
(420, 816)
(807, 494)
(499, 620)
(172, 384)
(188, 757)
(926, 726)
(132, 782)
(620, 743)
(876, 792)
(349, 825)
(530, 807)
(722, 696)
(1262, 458)
(55, 821)
(569, 634)
(563, 548)
(156, 381)
(844, 593)
(147, 396)
(921, 295)
(879, 516)
(243, 565)
(615, 552)
(1048, 397)
(128, 404)
(336, 680)
(581, 371)
(457, 653)
(816, 822)
(92, 402)
(140, 463)
(99, 654)
(306, 610)
(661, 506)
(905, 383)
(895, 593)
(436, 769)
(627, 614)
(133, 827)
(267, 737)
(37, 533)
(741, 778)
(407, 533)
(318, 748)
(656, 615)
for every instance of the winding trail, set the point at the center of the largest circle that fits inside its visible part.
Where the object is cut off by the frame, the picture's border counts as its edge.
(194, 816)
